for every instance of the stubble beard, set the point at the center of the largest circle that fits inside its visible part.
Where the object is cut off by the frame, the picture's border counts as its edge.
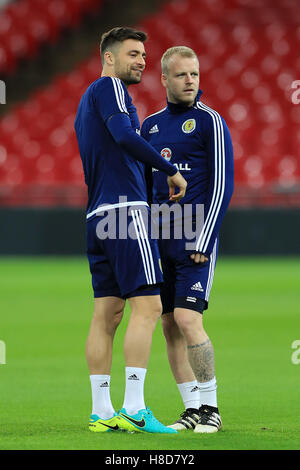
(128, 78)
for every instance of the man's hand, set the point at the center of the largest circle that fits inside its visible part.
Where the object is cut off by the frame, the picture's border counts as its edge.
(199, 258)
(178, 181)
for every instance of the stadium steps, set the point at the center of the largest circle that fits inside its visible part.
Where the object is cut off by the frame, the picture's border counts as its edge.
(72, 47)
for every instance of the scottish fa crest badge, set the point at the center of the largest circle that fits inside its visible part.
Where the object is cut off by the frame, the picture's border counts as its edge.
(188, 126)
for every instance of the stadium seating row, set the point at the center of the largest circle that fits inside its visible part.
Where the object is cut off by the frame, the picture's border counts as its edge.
(247, 64)
(26, 24)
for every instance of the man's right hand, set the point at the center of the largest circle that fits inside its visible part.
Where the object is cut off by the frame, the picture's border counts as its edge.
(178, 181)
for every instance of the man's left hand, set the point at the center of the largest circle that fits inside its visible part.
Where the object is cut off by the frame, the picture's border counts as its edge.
(199, 258)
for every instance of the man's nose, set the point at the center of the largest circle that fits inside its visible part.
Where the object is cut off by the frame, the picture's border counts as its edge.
(141, 61)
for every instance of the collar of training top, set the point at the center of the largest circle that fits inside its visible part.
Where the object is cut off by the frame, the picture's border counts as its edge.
(181, 108)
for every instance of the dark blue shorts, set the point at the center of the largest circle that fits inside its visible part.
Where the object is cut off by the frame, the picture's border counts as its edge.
(186, 283)
(121, 265)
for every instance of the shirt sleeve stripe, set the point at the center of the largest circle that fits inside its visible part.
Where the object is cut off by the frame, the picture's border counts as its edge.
(219, 180)
(121, 106)
(121, 94)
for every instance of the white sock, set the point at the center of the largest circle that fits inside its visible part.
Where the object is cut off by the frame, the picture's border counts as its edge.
(208, 392)
(134, 389)
(190, 394)
(102, 405)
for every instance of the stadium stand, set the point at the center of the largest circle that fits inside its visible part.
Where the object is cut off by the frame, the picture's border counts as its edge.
(26, 24)
(248, 61)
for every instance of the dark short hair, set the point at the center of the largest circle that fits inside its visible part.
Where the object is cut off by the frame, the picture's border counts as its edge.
(118, 35)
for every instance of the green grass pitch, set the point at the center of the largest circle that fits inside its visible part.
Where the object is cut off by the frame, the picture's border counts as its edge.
(45, 398)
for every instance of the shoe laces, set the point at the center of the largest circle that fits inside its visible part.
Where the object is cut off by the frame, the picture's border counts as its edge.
(150, 415)
(189, 412)
(147, 411)
(206, 413)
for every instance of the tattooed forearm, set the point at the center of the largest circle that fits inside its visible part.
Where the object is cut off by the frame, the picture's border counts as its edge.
(201, 357)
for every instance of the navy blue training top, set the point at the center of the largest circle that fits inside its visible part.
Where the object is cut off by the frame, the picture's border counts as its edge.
(197, 141)
(112, 152)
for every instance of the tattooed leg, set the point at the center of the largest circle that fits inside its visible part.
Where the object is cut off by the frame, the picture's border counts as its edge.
(201, 357)
(199, 347)
(200, 354)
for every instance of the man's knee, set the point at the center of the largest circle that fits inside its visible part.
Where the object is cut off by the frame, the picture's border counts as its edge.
(116, 320)
(188, 321)
(170, 327)
(108, 313)
(146, 308)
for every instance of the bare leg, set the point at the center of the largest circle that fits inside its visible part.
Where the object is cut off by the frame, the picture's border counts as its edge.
(199, 346)
(201, 358)
(177, 350)
(145, 311)
(107, 316)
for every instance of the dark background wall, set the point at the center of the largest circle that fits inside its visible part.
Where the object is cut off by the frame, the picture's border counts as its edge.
(261, 231)
(61, 231)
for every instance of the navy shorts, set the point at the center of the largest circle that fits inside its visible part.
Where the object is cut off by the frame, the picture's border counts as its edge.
(186, 283)
(127, 262)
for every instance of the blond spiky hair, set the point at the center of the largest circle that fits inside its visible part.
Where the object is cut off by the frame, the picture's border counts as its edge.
(183, 51)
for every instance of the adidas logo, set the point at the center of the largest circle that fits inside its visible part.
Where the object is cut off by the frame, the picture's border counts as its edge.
(197, 286)
(195, 389)
(133, 377)
(154, 129)
(105, 384)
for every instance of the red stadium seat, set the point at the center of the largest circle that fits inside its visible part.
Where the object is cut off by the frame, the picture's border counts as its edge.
(248, 54)
(26, 24)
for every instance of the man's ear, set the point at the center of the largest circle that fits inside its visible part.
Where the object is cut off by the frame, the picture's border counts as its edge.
(109, 58)
(164, 80)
